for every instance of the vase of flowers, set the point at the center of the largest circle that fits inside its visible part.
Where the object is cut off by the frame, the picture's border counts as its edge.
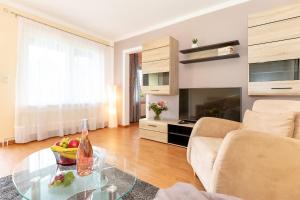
(158, 108)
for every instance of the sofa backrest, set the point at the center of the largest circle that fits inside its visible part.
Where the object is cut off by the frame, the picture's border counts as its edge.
(280, 106)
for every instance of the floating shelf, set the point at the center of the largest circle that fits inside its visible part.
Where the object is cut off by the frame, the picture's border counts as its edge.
(212, 46)
(234, 55)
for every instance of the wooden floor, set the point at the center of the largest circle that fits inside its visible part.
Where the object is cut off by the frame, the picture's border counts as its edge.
(159, 164)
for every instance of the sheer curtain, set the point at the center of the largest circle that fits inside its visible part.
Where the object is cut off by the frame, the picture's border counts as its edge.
(61, 78)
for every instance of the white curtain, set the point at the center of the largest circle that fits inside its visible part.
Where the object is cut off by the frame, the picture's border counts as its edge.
(61, 79)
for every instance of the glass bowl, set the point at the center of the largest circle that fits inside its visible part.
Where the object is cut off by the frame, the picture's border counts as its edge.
(64, 156)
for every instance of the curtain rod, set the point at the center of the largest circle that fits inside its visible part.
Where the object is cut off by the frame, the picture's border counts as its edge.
(52, 26)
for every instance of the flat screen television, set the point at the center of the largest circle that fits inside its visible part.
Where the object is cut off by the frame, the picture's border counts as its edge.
(195, 103)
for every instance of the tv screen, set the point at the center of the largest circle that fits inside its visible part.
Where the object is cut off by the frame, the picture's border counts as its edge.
(195, 103)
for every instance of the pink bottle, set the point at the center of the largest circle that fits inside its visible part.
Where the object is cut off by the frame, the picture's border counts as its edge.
(84, 158)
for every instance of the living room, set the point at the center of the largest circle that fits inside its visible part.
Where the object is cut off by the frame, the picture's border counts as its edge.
(191, 100)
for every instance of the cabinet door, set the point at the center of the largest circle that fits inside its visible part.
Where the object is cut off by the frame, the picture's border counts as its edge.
(162, 42)
(159, 90)
(152, 125)
(162, 53)
(277, 14)
(277, 31)
(153, 135)
(274, 78)
(282, 50)
(156, 79)
(274, 88)
(286, 70)
(156, 66)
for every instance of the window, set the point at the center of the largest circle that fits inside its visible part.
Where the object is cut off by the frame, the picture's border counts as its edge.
(61, 79)
(58, 69)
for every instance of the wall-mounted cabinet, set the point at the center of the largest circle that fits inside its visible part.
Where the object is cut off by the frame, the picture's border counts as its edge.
(274, 52)
(274, 78)
(284, 70)
(160, 67)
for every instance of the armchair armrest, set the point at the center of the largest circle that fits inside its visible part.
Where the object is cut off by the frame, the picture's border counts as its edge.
(214, 127)
(211, 127)
(253, 165)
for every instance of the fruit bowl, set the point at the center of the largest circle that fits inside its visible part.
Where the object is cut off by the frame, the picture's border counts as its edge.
(65, 151)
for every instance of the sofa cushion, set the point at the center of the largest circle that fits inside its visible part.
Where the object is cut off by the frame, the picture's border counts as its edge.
(279, 124)
(280, 106)
(203, 155)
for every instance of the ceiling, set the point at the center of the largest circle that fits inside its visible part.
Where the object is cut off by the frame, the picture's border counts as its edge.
(120, 19)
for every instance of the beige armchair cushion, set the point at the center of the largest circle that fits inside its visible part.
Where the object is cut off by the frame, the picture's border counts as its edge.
(280, 106)
(279, 124)
(257, 166)
(203, 156)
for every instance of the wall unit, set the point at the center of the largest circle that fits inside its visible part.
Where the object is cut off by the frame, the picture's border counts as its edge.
(274, 52)
(165, 131)
(160, 67)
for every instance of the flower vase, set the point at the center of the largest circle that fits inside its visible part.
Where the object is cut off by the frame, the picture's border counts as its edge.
(157, 116)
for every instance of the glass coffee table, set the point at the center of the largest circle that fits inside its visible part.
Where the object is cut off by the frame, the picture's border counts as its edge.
(113, 177)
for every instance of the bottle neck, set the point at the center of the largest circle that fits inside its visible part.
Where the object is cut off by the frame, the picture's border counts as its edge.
(84, 126)
(84, 133)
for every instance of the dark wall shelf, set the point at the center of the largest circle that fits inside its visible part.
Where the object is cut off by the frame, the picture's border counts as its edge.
(234, 55)
(212, 46)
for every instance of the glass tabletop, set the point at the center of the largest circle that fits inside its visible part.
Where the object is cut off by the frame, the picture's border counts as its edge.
(112, 177)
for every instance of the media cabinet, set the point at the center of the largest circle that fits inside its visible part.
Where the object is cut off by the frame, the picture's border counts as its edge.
(165, 131)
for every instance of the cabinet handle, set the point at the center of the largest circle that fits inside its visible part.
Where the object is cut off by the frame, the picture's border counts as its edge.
(155, 90)
(152, 125)
(281, 88)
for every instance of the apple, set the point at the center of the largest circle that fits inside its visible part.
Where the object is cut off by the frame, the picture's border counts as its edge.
(73, 143)
(57, 143)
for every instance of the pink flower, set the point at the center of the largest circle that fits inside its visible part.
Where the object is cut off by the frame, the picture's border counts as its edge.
(162, 104)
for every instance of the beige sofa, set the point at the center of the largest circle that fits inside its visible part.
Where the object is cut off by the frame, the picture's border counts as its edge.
(245, 163)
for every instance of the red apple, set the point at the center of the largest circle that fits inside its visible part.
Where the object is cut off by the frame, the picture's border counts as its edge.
(57, 143)
(73, 143)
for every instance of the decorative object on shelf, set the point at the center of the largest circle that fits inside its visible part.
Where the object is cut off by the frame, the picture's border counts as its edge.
(195, 43)
(158, 108)
(226, 52)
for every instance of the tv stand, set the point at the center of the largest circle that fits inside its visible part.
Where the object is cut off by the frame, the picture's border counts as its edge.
(166, 131)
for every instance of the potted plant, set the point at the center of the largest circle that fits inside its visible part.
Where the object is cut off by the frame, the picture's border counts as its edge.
(158, 108)
(194, 43)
